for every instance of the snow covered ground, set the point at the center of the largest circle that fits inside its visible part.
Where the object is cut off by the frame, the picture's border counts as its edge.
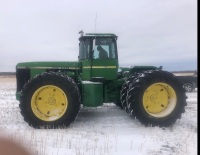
(105, 130)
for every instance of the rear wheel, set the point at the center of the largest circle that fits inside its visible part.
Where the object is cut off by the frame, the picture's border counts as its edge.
(124, 90)
(123, 94)
(156, 98)
(50, 101)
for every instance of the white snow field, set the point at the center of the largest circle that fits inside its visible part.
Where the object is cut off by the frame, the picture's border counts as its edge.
(105, 130)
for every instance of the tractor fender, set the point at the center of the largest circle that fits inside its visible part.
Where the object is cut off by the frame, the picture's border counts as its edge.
(135, 69)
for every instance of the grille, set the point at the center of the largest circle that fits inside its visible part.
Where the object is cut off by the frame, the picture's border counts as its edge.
(22, 76)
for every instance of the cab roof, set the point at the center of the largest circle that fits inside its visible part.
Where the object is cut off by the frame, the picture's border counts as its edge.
(98, 35)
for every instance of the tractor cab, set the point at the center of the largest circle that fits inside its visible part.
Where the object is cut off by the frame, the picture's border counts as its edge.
(98, 56)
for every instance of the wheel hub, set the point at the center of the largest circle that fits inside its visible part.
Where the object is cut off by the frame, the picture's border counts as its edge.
(159, 99)
(49, 103)
(153, 97)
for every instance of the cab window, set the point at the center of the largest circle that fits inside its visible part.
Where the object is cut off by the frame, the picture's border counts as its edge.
(105, 48)
(84, 49)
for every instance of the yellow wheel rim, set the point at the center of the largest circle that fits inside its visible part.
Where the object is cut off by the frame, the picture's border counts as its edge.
(49, 103)
(159, 100)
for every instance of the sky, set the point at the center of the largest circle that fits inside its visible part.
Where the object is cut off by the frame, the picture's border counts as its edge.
(150, 32)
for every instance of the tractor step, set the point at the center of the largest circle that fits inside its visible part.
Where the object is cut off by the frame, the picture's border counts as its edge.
(92, 94)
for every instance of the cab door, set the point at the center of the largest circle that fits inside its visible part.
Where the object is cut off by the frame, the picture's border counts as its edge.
(106, 67)
(85, 48)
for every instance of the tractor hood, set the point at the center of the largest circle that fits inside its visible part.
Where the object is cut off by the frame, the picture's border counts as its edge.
(72, 65)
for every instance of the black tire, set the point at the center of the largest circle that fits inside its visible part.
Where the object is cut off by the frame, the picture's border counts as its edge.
(189, 87)
(156, 98)
(123, 94)
(50, 100)
(124, 90)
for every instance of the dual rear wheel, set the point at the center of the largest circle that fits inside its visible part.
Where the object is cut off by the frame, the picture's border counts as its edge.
(154, 97)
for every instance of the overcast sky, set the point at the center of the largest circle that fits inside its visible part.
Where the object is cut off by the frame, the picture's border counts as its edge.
(150, 32)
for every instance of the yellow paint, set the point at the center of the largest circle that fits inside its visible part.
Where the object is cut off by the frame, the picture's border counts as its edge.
(159, 99)
(49, 103)
(100, 67)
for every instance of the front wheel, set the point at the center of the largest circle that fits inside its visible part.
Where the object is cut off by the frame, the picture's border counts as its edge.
(50, 100)
(156, 98)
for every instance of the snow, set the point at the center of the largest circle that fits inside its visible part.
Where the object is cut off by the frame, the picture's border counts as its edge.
(90, 82)
(105, 130)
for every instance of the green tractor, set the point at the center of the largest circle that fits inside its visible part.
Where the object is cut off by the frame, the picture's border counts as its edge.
(51, 93)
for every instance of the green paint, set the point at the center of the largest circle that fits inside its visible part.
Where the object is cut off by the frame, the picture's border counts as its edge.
(141, 68)
(89, 66)
(92, 94)
(99, 68)
(49, 65)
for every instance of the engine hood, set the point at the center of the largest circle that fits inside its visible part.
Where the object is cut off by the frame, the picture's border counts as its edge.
(73, 65)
